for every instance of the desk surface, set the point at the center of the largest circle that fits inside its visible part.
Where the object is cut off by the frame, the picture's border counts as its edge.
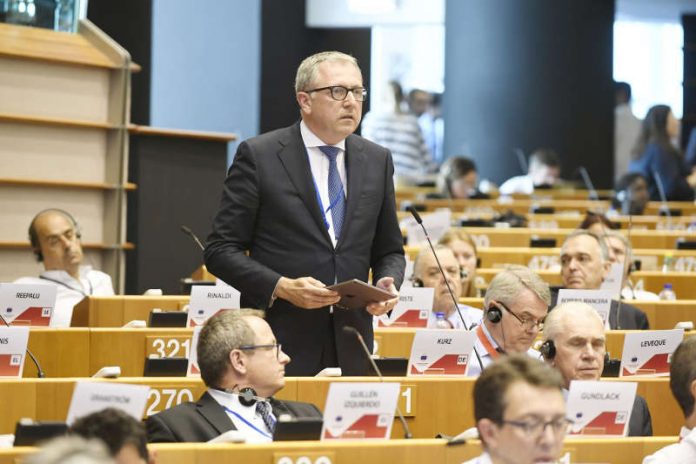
(431, 405)
(617, 451)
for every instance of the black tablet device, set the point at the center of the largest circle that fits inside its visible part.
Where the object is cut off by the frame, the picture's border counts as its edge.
(296, 429)
(356, 294)
(165, 367)
(167, 319)
(30, 433)
(390, 367)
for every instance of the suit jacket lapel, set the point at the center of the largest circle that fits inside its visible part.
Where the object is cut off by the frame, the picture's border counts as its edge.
(214, 413)
(293, 156)
(355, 164)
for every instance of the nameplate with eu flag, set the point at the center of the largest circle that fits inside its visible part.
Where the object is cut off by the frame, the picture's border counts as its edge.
(208, 300)
(27, 304)
(13, 348)
(440, 352)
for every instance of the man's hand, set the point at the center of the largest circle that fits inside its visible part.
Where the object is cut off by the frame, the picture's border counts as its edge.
(377, 309)
(306, 292)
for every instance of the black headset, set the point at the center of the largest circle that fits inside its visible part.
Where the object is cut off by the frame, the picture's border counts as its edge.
(548, 351)
(34, 238)
(494, 314)
(418, 283)
(247, 396)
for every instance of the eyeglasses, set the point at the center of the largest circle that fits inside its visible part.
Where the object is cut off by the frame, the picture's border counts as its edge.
(339, 93)
(527, 324)
(277, 346)
(535, 428)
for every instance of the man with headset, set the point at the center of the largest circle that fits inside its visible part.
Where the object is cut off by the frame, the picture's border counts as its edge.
(426, 274)
(55, 239)
(515, 306)
(243, 366)
(575, 344)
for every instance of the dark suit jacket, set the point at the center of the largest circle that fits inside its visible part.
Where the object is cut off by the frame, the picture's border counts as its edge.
(629, 318)
(640, 424)
(206, 419)
(269, 207)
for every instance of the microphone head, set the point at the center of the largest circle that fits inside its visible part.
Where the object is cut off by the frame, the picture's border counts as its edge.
(186, 230)
(351, 330)
(414, 213)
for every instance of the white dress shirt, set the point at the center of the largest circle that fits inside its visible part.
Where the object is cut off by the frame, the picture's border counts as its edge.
(518, 184)
(245, 418)
(319, 164)
(70, 291)
(683, 452)
(472, 317)
(485, 458)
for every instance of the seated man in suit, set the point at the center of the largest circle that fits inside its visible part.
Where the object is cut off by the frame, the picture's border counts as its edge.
(682, 382)
(520, 412)
(575, 344)
(243, 366)
(585, 262)
(515, 307)
(122, 434)
(55, 238)
(621, 252)
(427, 274)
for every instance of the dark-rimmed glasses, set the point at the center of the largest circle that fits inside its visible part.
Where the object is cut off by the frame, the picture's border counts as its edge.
(535, 428)
(339, 93)
(277, 346)
(527, 324)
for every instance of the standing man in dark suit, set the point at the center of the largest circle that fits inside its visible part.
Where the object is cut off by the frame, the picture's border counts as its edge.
(243, 366)
(575, 344)
(584, 265)
(308, 206)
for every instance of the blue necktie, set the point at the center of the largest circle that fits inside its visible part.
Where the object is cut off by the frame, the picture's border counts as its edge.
(337, 200)
(265, 411)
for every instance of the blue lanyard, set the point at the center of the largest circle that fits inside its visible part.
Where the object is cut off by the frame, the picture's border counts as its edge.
(70, 287)
(247, 422)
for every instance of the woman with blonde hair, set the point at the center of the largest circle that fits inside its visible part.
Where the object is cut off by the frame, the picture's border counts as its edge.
(464, 249)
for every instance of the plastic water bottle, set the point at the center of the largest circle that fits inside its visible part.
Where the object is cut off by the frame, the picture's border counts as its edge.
(668, 262)
(441, 322)
(667, 293)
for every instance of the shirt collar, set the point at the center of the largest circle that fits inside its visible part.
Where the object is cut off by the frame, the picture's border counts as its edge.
(311, 140)
(231, 402)
(489, 336)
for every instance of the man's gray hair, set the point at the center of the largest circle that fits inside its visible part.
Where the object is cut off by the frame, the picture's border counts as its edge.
(307, 71)
(426, 251)
(603, 250)
(222, 333)
(555, 321)
(507, 285)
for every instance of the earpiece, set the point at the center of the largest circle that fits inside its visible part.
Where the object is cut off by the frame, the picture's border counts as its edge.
(34, 238)
(494, 314)
(548, 349)
(247, 396)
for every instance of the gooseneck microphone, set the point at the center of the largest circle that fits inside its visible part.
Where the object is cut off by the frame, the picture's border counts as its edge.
(193, 236)
(353, 331)
(588, 183)
(663, 198)
(418, 219)
(39, 372)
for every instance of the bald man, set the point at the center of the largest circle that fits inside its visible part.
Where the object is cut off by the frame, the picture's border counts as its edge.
(55, 238)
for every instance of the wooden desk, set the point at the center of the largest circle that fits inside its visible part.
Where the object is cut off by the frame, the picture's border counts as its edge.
(115, 311)
(417, 451)
(521, 237)
(431, 405)
(81, 352)
(652, 281)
